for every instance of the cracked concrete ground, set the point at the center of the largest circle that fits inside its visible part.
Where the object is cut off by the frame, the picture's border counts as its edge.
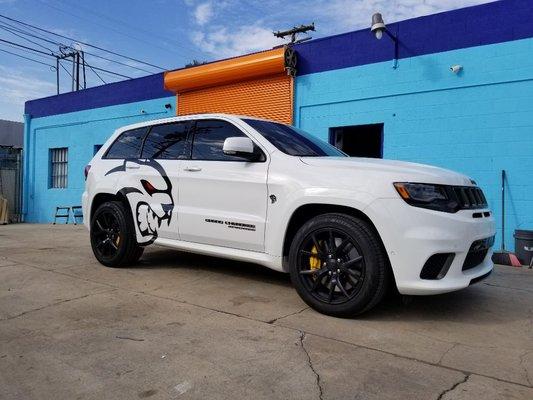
(187, 326)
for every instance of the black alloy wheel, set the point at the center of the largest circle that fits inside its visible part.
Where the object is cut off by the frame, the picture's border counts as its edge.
(113, 235)
(338, 265)
(107, 234)
(331, 265)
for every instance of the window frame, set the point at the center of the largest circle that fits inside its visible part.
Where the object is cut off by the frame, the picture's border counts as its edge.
(61, 178)
(187, 147)
(192, 134)
(106, 154)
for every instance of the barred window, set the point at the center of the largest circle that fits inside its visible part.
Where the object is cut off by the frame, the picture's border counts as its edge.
(58, 167)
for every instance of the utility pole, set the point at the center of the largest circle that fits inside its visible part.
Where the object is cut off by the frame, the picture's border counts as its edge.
(77, 58)
(77, 70)
(293, 33)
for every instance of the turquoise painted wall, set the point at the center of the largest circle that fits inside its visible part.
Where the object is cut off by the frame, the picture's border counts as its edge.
(79, 131)
(477, 122)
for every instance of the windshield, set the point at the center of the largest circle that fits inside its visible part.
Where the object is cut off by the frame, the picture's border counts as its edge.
(293, 141)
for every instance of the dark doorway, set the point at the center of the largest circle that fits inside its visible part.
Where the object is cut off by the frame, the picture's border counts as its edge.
(359, 140)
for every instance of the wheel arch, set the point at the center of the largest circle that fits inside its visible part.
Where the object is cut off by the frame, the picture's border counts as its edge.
(102, 198)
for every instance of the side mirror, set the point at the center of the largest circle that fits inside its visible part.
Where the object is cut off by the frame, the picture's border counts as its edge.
(239, 146)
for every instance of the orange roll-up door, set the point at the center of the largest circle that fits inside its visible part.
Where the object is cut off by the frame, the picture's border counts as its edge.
(255, 85)
(269, 98)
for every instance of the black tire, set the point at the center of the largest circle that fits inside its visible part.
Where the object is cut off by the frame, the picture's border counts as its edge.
(351, 282)
(113, 235)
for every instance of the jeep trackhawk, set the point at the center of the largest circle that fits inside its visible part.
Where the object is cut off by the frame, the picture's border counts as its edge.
(260, 191)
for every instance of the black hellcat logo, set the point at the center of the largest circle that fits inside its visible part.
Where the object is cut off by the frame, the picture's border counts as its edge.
(150, 199)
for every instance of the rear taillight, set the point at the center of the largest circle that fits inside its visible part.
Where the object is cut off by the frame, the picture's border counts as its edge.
(86, 171)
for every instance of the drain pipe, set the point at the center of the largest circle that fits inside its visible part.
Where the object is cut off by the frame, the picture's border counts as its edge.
(503, 210)
(25, 167)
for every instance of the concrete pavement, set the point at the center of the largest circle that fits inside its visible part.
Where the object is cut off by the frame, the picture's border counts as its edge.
(187, 326)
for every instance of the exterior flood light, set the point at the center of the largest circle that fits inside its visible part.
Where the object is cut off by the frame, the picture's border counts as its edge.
(378, 28)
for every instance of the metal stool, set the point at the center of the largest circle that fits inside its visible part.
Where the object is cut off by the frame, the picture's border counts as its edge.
(60, 214)
(77, 213)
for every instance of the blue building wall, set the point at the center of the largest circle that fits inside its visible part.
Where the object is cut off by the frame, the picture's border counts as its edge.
(78, 131)
(478, 122)
(80, 121)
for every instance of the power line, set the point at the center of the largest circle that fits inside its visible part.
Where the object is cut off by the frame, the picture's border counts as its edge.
(10, 29)
(126, 25)
(102, 25)
(26, 47)
(28, 58)
(84, 43)
(43, 54)
(96, 73)
(14, 46)
(118, 62)
(66, 70)
(25, 38)
(53, 55)
(30, 32)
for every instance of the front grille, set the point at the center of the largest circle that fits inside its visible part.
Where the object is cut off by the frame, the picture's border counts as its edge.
(469, 197)
(477, 253)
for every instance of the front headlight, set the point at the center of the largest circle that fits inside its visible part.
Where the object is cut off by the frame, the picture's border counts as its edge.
(425, 195)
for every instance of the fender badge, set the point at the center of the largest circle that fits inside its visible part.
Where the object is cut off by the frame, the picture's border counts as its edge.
(273, 198)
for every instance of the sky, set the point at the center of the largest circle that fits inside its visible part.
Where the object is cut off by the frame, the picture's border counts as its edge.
(165, 33)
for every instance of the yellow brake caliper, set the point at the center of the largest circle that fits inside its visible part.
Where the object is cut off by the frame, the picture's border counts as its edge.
(314, 261)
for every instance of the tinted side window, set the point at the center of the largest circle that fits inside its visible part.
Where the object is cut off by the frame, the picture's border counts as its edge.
(127, 145)
(209, 138)
(166, 141)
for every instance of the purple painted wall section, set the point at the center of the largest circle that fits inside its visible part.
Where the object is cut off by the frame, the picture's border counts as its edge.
(496, 22)
(124, 92)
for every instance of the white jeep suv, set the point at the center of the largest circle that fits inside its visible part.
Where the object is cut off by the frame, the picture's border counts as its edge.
(260, 191)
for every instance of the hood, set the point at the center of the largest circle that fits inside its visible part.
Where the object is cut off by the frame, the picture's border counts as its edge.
(397, 171)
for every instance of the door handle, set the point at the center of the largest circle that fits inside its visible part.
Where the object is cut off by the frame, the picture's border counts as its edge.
(192, 169)
(133, 166)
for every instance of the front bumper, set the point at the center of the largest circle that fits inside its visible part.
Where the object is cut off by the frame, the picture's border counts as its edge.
(411, 235)
(85, 209)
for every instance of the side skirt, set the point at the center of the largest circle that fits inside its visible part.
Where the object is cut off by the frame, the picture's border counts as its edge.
(264, 259)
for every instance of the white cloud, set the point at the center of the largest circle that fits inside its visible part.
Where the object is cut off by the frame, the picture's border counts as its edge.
(222, 42)
(203, 13)
(17, 88)
(337, 16)
(238, 29)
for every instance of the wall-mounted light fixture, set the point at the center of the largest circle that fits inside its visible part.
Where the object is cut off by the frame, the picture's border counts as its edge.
(378, 28)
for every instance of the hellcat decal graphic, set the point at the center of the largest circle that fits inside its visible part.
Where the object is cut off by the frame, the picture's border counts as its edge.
(151, 202)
